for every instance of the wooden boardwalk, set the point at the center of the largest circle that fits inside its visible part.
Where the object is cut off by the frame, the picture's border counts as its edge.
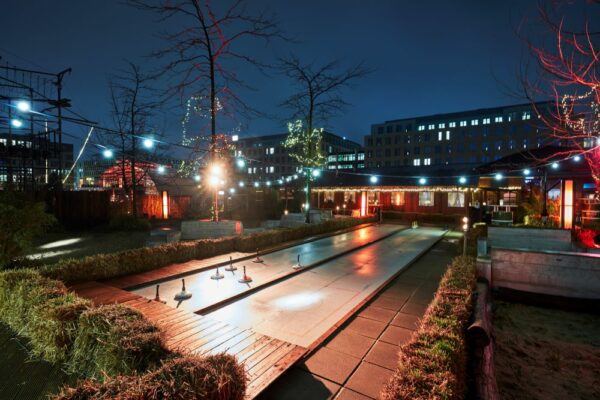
(264, 357)
(175, 270)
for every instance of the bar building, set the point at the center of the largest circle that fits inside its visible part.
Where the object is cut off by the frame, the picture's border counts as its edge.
(463, 139)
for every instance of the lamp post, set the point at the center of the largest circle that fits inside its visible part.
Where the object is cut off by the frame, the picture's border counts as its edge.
(465, 227)
(214, 180)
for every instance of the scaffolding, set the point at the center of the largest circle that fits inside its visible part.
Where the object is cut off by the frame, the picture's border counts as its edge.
(32, 107)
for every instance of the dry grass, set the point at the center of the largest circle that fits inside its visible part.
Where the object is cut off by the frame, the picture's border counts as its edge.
(217, 377)
(42, 310)
(432, 365)
(114, 340)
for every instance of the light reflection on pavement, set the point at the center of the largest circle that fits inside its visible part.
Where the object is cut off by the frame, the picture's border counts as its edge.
(206, 291)
(301, 309)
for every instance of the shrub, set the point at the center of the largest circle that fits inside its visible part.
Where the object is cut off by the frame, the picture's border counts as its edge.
(105, 266)
(128, 223)
(21, 221)
(432, 364)
(114, 340)
(217, 377)
(42, 310)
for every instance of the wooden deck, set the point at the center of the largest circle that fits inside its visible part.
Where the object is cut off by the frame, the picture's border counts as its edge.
(174, 270)
(264, 357)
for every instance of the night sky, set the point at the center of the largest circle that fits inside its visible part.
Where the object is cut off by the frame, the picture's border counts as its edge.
(427, 56)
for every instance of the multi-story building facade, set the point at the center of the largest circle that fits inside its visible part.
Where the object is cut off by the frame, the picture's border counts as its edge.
(346, 160)
(30, 161)
(460, 139)
(268, 158)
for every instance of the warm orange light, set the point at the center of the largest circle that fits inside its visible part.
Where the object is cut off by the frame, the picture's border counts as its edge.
(568, 217)
(363, 204)
(165, 204)
(215, 170)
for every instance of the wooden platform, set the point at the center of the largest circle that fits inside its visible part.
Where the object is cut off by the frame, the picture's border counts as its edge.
(174, 270)
(264, 357)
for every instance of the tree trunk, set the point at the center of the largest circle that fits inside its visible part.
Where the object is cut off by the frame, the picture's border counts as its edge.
(133, 180)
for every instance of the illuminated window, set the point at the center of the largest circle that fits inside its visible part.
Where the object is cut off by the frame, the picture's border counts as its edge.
(486, 121)
(431, 126)
(426, 199)
(498, 119)
(452, 125)
(441, 126)
(417, 162)
(526, 115)
(447, 135)
(421, 128)
(427, 161)
(463, 123)
(440, 135)
(474, 122)
(456, 199)
(398, 198)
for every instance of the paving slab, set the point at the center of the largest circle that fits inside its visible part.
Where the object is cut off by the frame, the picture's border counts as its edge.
(366, 327)
(383, 354)
(407, 321)
(302, 385)
(414, 308)
(331, 364)
(347, 394)
(396, 335)
(369, 379)
(377, 313)
(351, 343)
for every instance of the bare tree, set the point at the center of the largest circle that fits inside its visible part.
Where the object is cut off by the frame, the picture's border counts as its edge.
(568, 61)
(318, 97)
(133, 102)
(200, 54)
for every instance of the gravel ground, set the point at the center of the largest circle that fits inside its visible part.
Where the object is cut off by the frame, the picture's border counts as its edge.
(546, 353)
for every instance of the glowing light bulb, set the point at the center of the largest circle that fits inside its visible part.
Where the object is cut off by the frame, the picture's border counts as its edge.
(23, 106)
(148, 143)
(422, 181)
(373, 179)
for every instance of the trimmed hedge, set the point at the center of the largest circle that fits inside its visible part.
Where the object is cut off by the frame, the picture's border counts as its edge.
(105, 343)
(42, 310)
(63, 327)
(114, 340)
(217, 377)
(106, 266)
(433, 364)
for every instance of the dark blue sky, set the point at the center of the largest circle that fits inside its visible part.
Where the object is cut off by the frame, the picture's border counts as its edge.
(427, 56)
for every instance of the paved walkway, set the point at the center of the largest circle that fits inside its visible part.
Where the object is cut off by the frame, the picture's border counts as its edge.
(358, 359)
(207, 292)
(305, 307)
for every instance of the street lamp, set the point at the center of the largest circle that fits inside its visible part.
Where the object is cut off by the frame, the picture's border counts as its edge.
(148, 143)
(108, 153)
(23, 106)
(17, 123)
(215, 180)
(465, 227)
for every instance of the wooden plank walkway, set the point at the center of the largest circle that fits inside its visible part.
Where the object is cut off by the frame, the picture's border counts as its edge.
(174, 270)
(264, 357)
